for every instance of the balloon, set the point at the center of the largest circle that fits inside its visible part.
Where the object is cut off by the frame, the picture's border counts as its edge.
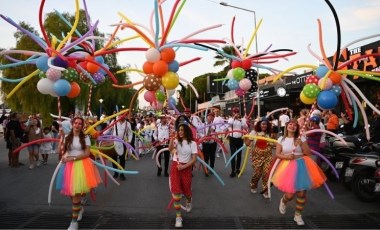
(157, 106)
(321, 71)
(160, 96)
(172, 101)
(92, 67)
(98, 77)
(306, 100)
(238, 73)
(232, 84)
(53, 74)
(251, 74)
(103, 71)
(61, 87)
(235, 64)
(245, 84)
(58, 61)
(149, 96)
(75, 90)
(246, 64)
(230, 74)
(99, 59)
(327, 99)
(171, 92)
(239, 92)
(152, 55)
(174, 66)
(170, 80)
(151, 82)
(42, 75)
(45, 86)
(325, 83)
(148, 67)
(41, 63)
(70, 74)
(312, 80)
(311, 90)
(160, 68)
(168, 55)
(335, 77)
(336, 89)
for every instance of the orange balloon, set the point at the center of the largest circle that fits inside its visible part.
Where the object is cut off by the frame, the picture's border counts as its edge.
(75, 90)
(335, 77)
(160, 68)
(92, 68)
(168, 55)
(148, 67)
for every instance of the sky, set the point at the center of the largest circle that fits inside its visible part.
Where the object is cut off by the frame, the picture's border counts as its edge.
(288, 24)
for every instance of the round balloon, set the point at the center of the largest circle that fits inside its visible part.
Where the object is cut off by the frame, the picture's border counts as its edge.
(45, 86)
(325, 83)
(174, 66)
(41, 63)
(232, 84)
(170, 80)
(160, 96)
(306, 100)
(336, 89)
(148, 67)
(311, 90)
(149, 96)
(152, 55)
(239, 92)
(321, 71)
(246, 64)
(238, 73)
(335, 77)
(160, 68)
(168, 55)
(62, 87)
(70, 74)
(53, 74)
(327, 99)
(245, 84)
(75, 90)
(235, 64)
(151, 82)
(312, 80)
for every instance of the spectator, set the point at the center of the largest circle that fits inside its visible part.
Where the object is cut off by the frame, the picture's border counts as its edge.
(332, 122)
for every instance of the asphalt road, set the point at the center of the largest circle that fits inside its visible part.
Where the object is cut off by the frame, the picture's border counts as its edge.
(141, 201)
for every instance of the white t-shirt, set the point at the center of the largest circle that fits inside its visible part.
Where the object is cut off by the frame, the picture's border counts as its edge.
(283, 119)
(184, 151)
(288, 145)
(76, 147)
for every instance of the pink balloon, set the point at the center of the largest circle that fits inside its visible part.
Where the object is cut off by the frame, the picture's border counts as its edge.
(53, 74)
(239, 92)
(245, 84)
(150, 96)
(325, 84)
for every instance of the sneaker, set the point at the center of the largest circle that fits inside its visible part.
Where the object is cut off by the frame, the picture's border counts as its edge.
(122, 177)
(253, 190)
(39, 163)
(298, 219)
(45, 163)
(265, 195)
(189, 206)
(115, 175)
(282, 207)
(238, 172)
(178, 222)
(232, 174)
(31, 166)
(73, 226)
(80, 214)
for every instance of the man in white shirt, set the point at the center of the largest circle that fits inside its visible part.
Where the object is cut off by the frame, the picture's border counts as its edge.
(196, 122)
(220, 126)
(122, 129)
(236, 142)
(209, 146)
(161, 135)
(283, 119)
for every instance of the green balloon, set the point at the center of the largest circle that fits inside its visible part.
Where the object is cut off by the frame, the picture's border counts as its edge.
(238, 73)
(160, 96)
(70, 74)
(311, 90)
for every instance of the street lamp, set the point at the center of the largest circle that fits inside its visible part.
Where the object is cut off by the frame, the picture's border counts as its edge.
(100, 107)
(257, 50)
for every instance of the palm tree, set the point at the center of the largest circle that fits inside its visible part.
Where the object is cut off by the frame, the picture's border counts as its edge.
(222, 60)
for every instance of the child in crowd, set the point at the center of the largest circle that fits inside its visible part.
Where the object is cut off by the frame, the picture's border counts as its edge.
(46, 148)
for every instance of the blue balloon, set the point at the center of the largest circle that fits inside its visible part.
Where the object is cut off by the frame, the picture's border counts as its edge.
(321, 71)
(61, 87)
(336, 89)
(174, 66)
(99, 59)
(41, 63)
(327, 99)
(102, 70)
(172, 101)
(233, 84)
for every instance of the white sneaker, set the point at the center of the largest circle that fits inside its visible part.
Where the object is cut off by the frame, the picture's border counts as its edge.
(282, 207)
(298, 219)
(80, 214)
(265, 195)
(73, 226)
(31, 166)
(189, 207)
(253, 190)
(178, 222)
(39, 163)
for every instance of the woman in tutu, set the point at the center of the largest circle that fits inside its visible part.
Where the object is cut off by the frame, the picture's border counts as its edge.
(77, 175)
(296, 172)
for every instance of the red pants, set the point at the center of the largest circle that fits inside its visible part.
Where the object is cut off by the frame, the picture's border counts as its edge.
(180, 181)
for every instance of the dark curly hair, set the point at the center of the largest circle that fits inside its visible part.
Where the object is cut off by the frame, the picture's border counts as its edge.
(258, 126)
(188, 135)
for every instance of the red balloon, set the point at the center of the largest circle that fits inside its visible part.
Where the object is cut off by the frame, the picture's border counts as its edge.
(235, 64)
(148, 67)
(168, 55)
(312, 80)
(160, 68)
(75, 90)
(246, 64)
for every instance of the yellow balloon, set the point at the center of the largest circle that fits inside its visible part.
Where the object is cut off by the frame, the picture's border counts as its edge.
(306, 100)
(170, 80)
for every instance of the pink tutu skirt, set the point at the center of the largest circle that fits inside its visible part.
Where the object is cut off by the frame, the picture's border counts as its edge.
(297, 175)
(77, 177)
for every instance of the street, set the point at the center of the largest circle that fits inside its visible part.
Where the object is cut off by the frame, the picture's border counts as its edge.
(141, 202)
